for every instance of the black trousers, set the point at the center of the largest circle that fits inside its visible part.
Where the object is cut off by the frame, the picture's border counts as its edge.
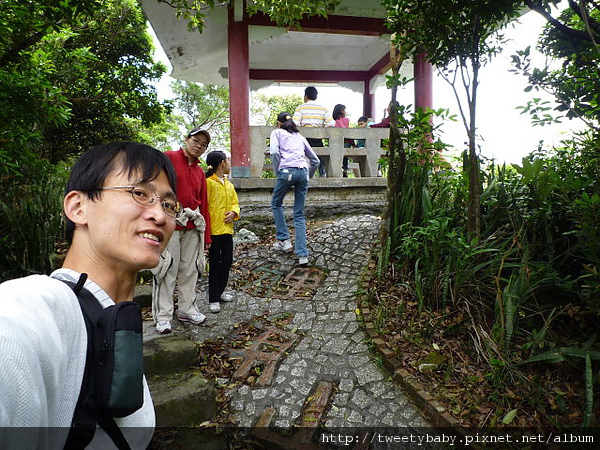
(220, 259)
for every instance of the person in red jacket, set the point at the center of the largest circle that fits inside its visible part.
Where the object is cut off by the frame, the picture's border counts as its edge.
(184, 257)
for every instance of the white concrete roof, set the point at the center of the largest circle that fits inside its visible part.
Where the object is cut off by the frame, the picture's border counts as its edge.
(202, 57)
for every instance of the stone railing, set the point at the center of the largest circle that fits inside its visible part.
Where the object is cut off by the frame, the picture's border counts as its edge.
(364, 159)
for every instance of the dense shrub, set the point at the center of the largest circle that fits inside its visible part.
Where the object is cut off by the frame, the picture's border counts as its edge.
(531, 281)
(31, 225)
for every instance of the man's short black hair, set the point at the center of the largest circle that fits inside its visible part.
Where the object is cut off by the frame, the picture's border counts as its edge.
(311, 92)
(93, 167)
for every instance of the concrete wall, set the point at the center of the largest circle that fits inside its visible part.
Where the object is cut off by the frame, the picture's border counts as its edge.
(365, 157)
(326, 196)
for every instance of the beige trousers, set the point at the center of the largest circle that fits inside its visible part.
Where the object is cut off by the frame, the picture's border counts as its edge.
(184, 246)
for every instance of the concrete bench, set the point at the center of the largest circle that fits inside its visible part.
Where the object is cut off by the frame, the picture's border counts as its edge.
(332, 153)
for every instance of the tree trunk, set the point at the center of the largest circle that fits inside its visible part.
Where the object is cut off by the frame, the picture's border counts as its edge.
(474, 201)
(396, 155)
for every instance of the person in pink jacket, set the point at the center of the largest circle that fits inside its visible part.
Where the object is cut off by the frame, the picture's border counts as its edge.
(341, 121)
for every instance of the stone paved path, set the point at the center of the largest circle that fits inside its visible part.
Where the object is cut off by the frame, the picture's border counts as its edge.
(333, 346)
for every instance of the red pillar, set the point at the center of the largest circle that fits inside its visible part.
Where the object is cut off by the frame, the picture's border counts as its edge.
(239, 91)
(423, 72)
(368, 103)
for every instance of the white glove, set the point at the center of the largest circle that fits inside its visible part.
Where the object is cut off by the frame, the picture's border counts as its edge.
(201, 262)
(182, 219)
(186, 215)
(200, 223)
(191, 214)
(164, 263)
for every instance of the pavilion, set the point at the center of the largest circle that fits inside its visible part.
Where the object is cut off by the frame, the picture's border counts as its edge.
(350, 48)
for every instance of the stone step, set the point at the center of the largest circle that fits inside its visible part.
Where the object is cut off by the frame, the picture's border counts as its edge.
(182, 399)
(168, 354)
(181, 395)
(143, 292)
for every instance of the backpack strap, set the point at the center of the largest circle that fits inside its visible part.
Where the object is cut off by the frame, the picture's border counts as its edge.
(87, 414)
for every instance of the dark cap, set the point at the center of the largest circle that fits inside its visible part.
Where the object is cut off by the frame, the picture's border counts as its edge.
(196, 131)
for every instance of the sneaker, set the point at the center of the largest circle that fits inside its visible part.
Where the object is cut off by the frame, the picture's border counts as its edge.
(226, 297)
(283, 246)
(163, 327)
(303, 260)
(196, 318)
(215, 307)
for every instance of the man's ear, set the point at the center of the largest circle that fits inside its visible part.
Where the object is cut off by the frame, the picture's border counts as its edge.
(75, 207)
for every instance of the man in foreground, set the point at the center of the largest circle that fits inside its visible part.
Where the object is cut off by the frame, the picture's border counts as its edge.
(120, 209)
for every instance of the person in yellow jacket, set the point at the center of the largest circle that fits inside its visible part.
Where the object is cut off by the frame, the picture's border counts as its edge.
(224, 209)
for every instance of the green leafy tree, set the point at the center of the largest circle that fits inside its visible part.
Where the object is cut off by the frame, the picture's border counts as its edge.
(288, 13)
(584, 27)
(459, 38)
(71, 74)
(283, 13)
(265, 108)
(112, 90)
(165, 135)
(29, 100)
(202, 106)
(571, 38)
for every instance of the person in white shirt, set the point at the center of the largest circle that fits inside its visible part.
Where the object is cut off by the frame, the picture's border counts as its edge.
(120, 208)
(294, 163)
(314, 115)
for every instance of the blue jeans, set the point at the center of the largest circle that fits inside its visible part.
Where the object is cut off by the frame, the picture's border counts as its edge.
(286, 179)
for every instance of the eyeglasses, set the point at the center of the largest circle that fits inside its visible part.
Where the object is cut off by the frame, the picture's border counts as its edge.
(143, 197)
(199, 142)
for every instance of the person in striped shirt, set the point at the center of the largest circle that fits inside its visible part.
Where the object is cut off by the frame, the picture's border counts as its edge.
(313, 114)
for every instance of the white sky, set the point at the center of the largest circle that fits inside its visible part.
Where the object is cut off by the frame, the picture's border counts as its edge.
(506, 135)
